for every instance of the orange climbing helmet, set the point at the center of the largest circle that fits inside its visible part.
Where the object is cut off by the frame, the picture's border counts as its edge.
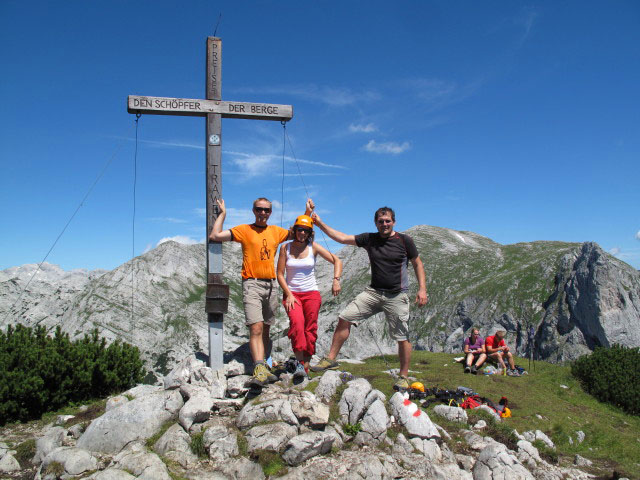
(304, 221)
(417, 386)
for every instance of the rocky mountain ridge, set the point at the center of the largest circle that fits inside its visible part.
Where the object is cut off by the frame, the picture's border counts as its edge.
(576, 296)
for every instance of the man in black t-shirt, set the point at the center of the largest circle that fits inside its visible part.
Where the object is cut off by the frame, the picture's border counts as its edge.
(389, 254)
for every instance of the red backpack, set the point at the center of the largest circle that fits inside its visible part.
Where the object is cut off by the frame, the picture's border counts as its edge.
(472, 401)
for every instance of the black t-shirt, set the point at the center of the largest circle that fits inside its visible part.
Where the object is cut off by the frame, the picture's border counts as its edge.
(389, 258)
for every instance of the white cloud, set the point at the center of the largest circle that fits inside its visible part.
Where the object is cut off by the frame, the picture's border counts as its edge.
(154, 143)
(180, 239)
(615, 251)
(334, 96)
(386, 147)
(638, 235)
(368, 128)
(167, 220)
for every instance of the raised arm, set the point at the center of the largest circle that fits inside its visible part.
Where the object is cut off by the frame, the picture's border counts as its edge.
(217, 234)
(333, 233)
(421, 298)
(337, 266)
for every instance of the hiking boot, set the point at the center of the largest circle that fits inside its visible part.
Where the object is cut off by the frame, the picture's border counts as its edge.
(271, 377)
(474, 370)
(467, 369)
(402, 383)
(260, 376)
(324, 364)
(513, 373)
(299, 372)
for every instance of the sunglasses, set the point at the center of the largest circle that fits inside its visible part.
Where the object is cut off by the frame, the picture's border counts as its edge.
(382, 221)
(262, 209)
(305, 230)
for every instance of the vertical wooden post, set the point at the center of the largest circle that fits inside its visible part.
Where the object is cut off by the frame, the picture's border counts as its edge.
(217, 294)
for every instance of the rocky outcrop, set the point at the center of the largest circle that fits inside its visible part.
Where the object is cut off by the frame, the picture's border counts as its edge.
(285, 421)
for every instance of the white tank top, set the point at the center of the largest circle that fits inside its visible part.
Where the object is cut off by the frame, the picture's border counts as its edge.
(300, 272)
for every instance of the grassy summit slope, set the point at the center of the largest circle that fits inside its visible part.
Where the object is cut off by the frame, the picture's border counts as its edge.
(537, 401)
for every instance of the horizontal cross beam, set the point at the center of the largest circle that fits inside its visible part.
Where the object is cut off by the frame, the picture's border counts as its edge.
(200, 108)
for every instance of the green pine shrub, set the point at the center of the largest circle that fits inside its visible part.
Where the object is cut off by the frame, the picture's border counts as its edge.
(611, 375)
(41, 373)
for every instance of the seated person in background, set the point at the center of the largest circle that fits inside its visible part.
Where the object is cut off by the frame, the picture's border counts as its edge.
(474, 352)
(498, 350)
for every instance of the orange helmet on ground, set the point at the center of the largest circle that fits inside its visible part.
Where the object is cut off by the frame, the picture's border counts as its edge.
(304, 221)
(417, 386)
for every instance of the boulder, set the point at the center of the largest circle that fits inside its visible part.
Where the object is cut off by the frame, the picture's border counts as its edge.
(308, 410)
(236, 385)
(579, 461)
(175, 439)
(453, 414)
(373, 425)
(111, 474)
(241, 468)
(142, 464)
(276, 409)
(181, 374)
(328, 385)
(495, 462)
(352, 405)
(9, 464)
(307, 445)
(272, 437)
(74, 460)
(51, 440)
(221, 442)
(138, 419)
(429, 448)
(407, 413)
(115, 402)
(197, 409)
(528, 454)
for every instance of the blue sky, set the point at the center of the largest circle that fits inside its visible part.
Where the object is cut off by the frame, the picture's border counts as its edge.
(516, 120)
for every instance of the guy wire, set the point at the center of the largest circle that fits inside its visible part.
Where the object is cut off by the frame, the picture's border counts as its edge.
(80, 205)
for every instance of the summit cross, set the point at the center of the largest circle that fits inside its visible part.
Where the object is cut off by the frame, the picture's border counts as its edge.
(214, 109)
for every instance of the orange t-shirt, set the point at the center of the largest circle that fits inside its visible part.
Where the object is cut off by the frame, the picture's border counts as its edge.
(259, 247)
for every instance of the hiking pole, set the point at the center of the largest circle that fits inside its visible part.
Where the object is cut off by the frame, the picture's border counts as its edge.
(531, 346)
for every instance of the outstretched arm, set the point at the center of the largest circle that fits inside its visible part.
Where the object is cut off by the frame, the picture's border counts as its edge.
(217, 234)
(421, 298)
(333, 233)
(337, 266)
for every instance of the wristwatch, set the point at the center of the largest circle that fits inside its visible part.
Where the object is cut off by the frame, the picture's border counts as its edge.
(336, 278)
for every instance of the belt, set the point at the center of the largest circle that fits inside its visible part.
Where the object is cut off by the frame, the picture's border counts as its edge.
(260, 279)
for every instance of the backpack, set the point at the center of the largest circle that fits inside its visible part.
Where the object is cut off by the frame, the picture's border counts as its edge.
(472, 401)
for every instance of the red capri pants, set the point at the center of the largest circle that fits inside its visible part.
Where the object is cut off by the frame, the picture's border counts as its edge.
(303, 321)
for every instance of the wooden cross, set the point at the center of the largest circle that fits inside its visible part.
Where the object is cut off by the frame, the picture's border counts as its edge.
(217, 295)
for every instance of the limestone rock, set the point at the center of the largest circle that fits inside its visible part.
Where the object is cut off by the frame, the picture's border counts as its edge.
(138, 419)
(581, 461)
(276, 409)
(407, 413)
(528, 454)
(328, 385)
(115, 402)
(197, 409)
(307, 445)
(373, 425)
(352, 405)
(74, 460)
(453, 414)
(51, 440)
(236, 385)
(308, 410)
(8, 463)
(111, 474)
(221, 442)
(271, 437)
(241, 469)
(144, 465)
(495, 462)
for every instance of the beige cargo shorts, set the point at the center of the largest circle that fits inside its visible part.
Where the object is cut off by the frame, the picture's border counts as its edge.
(371, 301)
(260, 300)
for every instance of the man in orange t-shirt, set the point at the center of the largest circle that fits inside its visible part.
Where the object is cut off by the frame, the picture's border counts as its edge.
(259, 288)
(497, 350)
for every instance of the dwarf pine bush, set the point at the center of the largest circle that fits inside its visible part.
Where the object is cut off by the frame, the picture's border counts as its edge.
(41, 373)
(611, 375)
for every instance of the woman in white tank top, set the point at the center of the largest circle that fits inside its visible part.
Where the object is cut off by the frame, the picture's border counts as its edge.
(296, 276)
